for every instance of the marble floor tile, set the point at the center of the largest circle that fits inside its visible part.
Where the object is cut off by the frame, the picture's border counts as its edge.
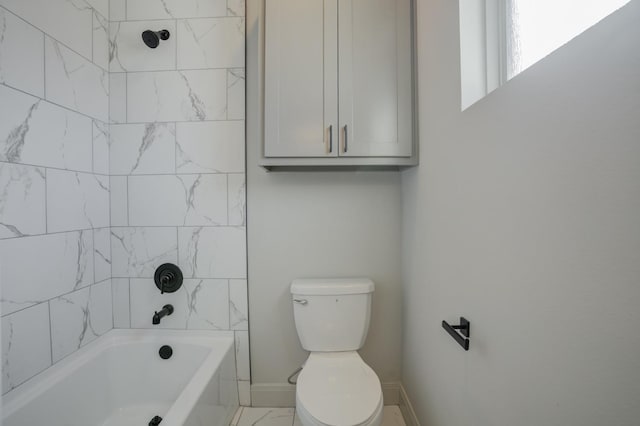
(296, 420)
(247, 416)
(266, 417)
(236, 417)
(391, 416)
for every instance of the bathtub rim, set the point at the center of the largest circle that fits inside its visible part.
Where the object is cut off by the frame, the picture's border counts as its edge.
(18, 397)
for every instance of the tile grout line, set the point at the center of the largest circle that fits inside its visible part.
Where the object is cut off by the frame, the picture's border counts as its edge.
(130, 311)
(60, 105)
(93, 252)
(83, 172)
(229, 315)
(44, 66)
(93, 41)
(175, 148)
(71, 231)
(228, 201)
(176, 44)
(126, 98)
(182, 18)
(75, 290)
(131, 226)
(93, 154)
(127, 198)
(46, 204)
(177, 70)
(50, 331)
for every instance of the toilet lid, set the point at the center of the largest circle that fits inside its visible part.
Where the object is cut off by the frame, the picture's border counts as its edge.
(338, 388)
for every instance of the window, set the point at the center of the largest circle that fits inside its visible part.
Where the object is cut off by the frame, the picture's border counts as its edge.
(501, 38)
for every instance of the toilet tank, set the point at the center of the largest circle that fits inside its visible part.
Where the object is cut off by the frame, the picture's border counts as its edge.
(332, 315)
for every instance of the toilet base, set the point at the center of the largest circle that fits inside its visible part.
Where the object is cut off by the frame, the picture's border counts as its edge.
(308, 420)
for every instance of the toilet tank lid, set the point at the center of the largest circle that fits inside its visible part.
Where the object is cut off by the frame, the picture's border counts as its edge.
(331, 286)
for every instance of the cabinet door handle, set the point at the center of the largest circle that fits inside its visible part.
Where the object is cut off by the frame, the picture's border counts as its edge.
(330, 138)
(346, 139)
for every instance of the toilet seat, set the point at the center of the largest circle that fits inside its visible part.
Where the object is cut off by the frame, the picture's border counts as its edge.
(338, 389)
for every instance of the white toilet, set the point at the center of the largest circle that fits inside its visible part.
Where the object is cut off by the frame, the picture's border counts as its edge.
(335, 387)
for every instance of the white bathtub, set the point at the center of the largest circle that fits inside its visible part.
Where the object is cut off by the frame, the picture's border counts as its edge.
(121, 380)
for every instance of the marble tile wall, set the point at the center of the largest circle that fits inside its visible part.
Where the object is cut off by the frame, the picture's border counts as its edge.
(115, 158)
(55, 251)
(177, 166)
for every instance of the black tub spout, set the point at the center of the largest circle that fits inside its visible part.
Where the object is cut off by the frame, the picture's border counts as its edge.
(166, 310)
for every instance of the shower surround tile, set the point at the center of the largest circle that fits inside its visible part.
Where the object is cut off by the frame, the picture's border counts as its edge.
(198, 305)
(120, 297)
(55, 240)
(237, 200)
(74, 82)
(22, 201)
(127, 51)
(80, 317)
(217, 252)
(210, 147)
(236, 8)
(26, 350)
(118, 97)
(143, 149)
(211, 43)
(195, 200)
(235, 94)
(69, 21)
(100, 147)
(238, 305)
(100, 41)
(36, 132)
(46, 266)
(242, 355)
(244, 393)
(129, 158)
(76, 201)
(102, 254)
(21, 48)
(137, 252)
(119, 206)
(117, 10)
(176, 96)
(101, 6)
(153, 9)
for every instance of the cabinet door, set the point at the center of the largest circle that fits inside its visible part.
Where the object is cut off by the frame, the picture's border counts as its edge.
(375, 78)
(301, 81)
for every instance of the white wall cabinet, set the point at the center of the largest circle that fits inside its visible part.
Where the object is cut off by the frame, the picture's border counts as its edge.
(338, 83)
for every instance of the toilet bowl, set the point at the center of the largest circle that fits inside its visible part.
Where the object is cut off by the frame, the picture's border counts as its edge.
(338, 389)
(335, 387)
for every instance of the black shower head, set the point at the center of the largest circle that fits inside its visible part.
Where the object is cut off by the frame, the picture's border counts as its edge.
(152, 38)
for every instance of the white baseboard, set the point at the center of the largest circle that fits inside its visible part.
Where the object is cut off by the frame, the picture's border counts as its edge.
(284, 394)
(391, 393)
(273, 395)
(406, 408)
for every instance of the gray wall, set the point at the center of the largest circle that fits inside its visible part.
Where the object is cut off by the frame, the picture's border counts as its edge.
(316, 224)
(523, 217)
